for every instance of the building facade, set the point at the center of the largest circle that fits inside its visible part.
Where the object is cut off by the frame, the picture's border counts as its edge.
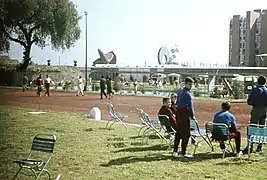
(248, 38)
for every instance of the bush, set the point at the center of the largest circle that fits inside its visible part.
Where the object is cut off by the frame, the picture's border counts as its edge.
(95, 86)
(238, 90)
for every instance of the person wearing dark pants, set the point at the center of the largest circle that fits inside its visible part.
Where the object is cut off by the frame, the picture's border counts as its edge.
(258, 100)
(185, 112)
(224, 116)
(39, 83)
(47, 85)
(102, 87)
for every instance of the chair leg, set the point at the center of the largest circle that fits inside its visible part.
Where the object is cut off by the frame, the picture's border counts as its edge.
(33, 171)
(17, 173)
(208, 142)
(139, 132)
(211, 145)
(45, 170)
(249, 146)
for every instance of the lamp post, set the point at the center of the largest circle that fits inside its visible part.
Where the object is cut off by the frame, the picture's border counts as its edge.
(85, 86)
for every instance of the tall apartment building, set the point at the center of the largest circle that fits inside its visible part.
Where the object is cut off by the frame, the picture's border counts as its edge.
(248, 38)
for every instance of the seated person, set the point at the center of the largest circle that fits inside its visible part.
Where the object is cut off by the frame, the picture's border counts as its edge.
(166, 110)
(224, 116)
(173, 101)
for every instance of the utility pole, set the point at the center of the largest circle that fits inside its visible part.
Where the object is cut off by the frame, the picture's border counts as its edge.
(85, 86)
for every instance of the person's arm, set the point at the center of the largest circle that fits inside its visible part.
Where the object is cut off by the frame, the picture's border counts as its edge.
(233, 124)
(251, 98)
(190, 105)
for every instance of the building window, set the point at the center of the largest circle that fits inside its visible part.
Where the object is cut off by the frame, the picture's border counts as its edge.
(257, 51)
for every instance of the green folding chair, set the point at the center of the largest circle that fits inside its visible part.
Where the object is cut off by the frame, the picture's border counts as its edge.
(256, 134)
(42, 147)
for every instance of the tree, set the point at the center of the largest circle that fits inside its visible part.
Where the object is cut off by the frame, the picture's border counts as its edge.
(29, 22)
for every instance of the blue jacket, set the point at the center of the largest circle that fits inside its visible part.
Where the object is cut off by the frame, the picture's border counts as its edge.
(185, 100)
(258, 97)
(227, 118)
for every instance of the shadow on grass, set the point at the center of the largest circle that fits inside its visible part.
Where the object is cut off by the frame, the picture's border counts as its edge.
(242, 161)
(117, 145)
(138, 149)
(104, 128)
(134, 159)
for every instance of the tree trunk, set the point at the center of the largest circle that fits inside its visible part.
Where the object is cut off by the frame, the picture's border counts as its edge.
(26, 59)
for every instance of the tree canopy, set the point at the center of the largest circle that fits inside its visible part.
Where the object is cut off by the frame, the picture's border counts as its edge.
(38, 22)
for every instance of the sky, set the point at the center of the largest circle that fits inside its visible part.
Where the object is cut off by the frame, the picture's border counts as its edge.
(136, 29)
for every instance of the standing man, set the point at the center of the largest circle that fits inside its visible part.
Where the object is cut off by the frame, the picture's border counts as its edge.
(39, 83)
(109, 87)
(25, 83)
(185, 112)
(47, 85)
(80, 86)
(135, 86)
(258, 100)
(102, 87)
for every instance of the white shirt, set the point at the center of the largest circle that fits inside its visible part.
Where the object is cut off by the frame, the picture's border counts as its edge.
(80, 81)
(48, 80)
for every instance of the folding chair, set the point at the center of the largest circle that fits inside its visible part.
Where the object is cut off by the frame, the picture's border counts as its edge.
(197, 133)
(43, 144)
(256, 134)
(166, 122)
(115, 117)
(151, 126)
(220, 132)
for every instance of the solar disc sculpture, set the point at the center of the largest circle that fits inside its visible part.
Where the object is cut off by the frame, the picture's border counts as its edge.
(165, 56)
(108, 58)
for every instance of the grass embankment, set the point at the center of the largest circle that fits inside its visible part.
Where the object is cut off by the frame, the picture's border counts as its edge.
(86, 150)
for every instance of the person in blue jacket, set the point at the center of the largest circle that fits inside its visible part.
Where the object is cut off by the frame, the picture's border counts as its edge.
(185, 112)
(258, 100)
(224, 116)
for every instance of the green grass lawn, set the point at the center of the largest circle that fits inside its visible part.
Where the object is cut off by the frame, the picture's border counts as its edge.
(86, 150)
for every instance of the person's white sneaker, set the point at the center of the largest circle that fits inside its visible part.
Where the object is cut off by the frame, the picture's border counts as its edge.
(188, 156)
(175, 154)
(239, 154)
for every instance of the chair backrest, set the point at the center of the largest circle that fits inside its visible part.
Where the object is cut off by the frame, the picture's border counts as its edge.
(257, 130)
(193, 125)
(111, 109)
(44, 143)
(144, 116)
(209, 127)
(219, 131)
(164, 120)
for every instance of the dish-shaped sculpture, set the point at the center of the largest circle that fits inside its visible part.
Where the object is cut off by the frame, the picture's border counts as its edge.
(108, 58)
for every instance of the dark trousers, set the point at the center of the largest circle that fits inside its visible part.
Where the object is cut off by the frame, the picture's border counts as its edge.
(47, 87)
(177, 140)
(183, 129)
(39, 89)
(102, 92)
(258, 116)
(237, 137)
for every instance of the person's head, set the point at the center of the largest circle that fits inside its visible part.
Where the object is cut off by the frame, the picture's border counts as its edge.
(188, 83)
(47, 76)
(167, 102)
(173, 98)
(226, 106)
(40, 75)
(102, 77)
(261, 80)
(80, 77)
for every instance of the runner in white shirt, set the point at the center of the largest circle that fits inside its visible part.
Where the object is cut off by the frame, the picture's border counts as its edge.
(80, 86)
(47, 85)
